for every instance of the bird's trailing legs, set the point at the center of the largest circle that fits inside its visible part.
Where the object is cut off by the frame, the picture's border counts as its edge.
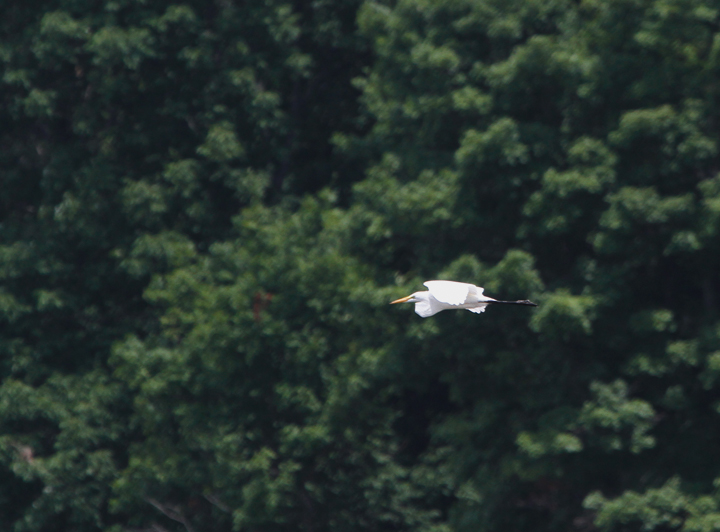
(519, 302)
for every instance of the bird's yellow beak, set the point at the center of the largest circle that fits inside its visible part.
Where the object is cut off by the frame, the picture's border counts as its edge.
(402, 300)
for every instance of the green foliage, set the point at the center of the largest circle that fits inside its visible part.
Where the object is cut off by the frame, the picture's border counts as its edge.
(206, 208)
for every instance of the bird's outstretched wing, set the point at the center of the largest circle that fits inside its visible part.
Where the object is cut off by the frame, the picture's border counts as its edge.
(451, 292)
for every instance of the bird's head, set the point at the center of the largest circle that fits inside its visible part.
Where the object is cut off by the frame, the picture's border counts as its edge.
(412, 298)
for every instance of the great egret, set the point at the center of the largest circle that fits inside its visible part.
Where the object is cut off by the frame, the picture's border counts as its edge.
(443, 295)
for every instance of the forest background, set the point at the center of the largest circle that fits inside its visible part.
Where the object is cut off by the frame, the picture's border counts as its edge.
(206, 207)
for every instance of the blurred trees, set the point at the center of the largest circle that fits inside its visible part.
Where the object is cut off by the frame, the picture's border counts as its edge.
(207, 206)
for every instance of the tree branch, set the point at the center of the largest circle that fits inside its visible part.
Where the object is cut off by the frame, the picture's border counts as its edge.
(172, 512)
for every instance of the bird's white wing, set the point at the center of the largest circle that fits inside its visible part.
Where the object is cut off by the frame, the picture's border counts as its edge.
(425, 309)
(451, 292)
(479, 310)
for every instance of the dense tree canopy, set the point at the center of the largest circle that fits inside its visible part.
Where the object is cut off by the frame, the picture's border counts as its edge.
(207, 206)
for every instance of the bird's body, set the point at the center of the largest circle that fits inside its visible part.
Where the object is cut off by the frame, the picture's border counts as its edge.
(444, 295)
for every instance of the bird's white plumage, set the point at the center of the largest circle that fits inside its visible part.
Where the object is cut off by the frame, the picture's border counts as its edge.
(427, 307)
(454, 293)
(444, 295)
(480, 309)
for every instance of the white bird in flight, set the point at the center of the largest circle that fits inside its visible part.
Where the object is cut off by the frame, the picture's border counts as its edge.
(444, 295)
